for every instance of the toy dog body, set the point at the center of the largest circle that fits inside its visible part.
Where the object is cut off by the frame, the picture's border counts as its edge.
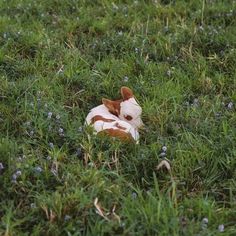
(120, 118)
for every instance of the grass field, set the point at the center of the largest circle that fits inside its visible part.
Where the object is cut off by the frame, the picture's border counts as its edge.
(59, 58)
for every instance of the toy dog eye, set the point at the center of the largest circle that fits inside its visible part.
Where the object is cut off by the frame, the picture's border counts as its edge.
(128, 117)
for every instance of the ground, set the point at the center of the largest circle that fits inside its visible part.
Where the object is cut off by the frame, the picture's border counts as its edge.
(59, 58)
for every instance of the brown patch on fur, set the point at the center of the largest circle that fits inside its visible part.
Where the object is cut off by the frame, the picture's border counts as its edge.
(118, 134)
(119, 126)
(126, 93)
(112, 106)
(96, 118)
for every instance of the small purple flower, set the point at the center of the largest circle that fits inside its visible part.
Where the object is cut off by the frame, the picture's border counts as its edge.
(67, 217)
(51, 145)
(49, 115)
(1, 166)
(148, 192)
(203, 226)
(204, 223)
(60, 130)
(164, 148)
(221, 228)
(80, 129)
(168, 73)
(195, 102)
(186, 103)
(217, 115)
(201, 28)
(28, 123)
(230, 105)
(126, 79)
(205, 220)
(18, 173)
(38, 169)
(54, 171)
(134, 195)
(79, 152)
(32, 205)
(14, 177)
(162, 154)
(215, 31)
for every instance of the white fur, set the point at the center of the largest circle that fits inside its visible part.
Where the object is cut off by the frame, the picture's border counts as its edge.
(129, 107)
(100, 111)
(102, 125)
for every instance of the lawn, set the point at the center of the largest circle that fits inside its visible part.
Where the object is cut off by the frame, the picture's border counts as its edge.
(59, 58)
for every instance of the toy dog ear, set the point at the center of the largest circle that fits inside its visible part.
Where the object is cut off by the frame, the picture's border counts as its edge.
(126, 93)
(112, 106)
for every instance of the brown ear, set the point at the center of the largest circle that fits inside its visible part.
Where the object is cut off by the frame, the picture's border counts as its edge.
(126, 93)
(113, 106)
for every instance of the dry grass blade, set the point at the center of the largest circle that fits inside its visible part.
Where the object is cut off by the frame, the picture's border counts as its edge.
(165, 164)
(99, 210)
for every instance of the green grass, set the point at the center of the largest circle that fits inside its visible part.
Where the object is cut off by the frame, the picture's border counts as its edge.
(59, 58)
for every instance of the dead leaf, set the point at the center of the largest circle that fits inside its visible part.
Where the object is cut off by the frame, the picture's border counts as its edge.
(52, 216)
(114, 214)
(164, 163)
(99, 210)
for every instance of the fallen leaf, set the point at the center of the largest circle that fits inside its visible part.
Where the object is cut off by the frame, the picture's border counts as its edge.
(164, 163)
(99, 210)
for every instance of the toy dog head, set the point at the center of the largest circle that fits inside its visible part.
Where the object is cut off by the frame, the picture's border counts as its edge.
(126, 109)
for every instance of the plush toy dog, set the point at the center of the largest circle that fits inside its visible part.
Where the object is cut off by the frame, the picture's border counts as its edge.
(120, 118)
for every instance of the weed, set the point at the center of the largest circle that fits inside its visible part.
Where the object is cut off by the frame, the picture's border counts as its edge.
(58, 59)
